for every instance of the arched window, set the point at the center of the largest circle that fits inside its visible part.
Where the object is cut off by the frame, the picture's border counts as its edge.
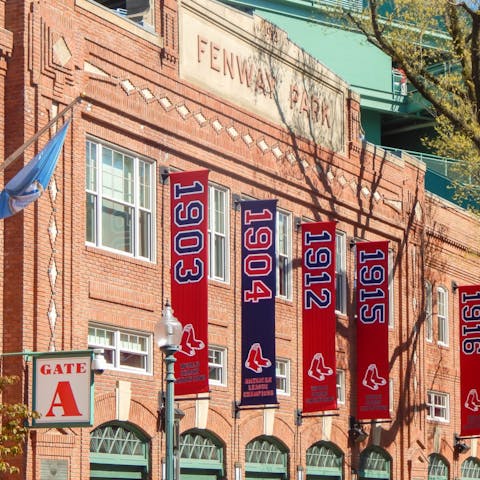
(470, 469)
(437, 468)
(375, 463)
(324, 462)
(119, 450)
(201, 456)
(266, 457)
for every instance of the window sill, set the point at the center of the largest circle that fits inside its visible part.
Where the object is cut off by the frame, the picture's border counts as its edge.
(119, 256)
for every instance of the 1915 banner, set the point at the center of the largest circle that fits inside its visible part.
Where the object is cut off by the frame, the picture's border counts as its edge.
(319, 320)
(189, 271)
(258, 302)
(469, 308)
(372, 330)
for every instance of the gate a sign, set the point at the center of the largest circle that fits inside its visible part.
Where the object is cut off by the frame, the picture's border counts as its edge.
(63, 389)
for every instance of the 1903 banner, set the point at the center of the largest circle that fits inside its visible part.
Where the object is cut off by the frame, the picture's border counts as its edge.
(189, 271)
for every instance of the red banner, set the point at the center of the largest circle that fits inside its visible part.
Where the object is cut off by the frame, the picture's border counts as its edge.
(372, 330)
(189, 272)
(319, 320)
(469, 299)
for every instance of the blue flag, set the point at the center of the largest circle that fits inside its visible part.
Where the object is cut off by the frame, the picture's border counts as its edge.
(30, 182)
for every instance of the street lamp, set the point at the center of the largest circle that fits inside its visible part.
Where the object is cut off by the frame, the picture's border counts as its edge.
(168, 333)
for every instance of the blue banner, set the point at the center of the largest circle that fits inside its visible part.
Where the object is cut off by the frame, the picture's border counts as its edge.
(258, 302)
(31, 181)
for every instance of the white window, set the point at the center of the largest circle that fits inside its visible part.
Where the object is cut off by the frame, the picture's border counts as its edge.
(391, 296)
(442, 315)
(283, 250)
(282, 372)
(218, 233)
(123, 349)
(438, 406)
(284, 255)
(120, 201)
(341, 272)
(341, 386)
(428, 312)
(217, 366)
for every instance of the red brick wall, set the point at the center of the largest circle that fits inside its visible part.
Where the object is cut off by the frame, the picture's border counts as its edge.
(371, 194)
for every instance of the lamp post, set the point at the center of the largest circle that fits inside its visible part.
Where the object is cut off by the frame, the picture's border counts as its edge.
(168, 333)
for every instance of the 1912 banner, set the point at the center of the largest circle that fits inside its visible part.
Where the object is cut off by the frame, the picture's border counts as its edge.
(372, 330)
(319, 320)
(189, 271)
(469, 298)
(258, 302)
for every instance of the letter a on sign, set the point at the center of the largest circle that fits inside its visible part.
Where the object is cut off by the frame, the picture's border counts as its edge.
(65, 400)
(63, 389)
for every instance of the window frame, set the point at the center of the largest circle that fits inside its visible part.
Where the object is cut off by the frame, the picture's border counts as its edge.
(212, 233)
(340, 386)
(432, 405)
(221, 367)
(283, 361)
(98, 196)
(118, 350)
(286, 254)
(428, 311)
(341, 272)
(442, 316)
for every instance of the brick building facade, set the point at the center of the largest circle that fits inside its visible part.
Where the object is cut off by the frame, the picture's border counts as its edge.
(188, 85)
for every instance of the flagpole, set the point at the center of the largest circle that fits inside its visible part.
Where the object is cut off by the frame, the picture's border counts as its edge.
(11, 158)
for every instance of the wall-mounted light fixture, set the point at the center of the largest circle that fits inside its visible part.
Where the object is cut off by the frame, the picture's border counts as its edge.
(459, 445)
(164, 174)
(454, 286)
(356, 432)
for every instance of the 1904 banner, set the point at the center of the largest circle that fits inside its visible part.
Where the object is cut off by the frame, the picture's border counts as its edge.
(258, 302)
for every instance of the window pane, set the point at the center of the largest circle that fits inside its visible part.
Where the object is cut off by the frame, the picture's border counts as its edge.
(216, 366)
(91, 217)
(117, 231)
(144, 180)
(219, 256)
(100, 337)
(132, 360)
(283, 254)
(145, 238)
(91, 165)
(219, 211)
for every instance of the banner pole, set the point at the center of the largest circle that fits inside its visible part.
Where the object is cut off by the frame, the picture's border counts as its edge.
(11, 158)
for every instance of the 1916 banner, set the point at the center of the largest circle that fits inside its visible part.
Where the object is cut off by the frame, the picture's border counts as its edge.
(319, 320)
(372, 330)
(258, 302)
(469, 298)
(189, 271)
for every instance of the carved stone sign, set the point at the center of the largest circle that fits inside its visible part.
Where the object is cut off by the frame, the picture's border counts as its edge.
(251, 63)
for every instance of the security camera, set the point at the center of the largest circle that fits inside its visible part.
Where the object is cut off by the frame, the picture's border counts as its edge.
(99, 364)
